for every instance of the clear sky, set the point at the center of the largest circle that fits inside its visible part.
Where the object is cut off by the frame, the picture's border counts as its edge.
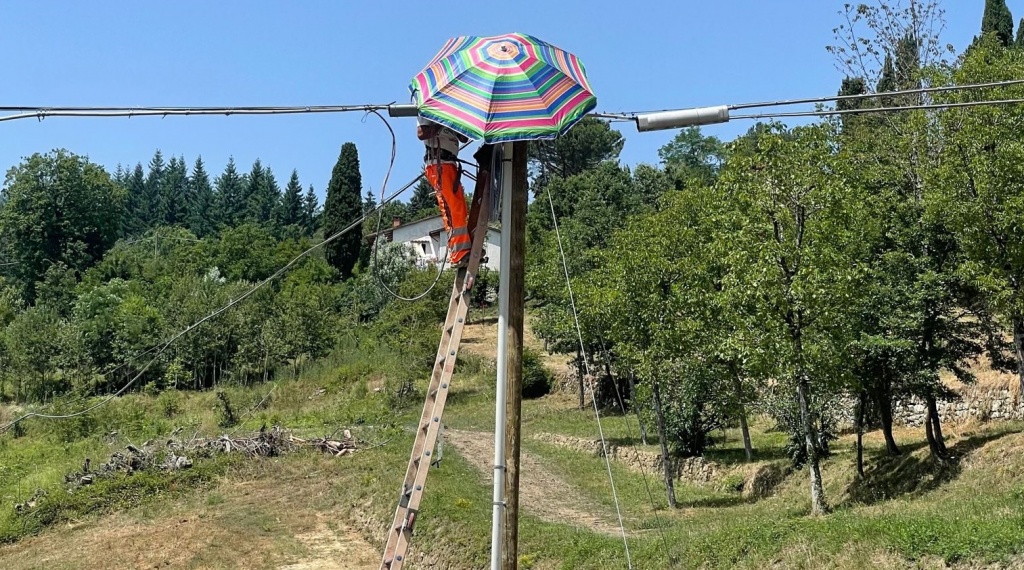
(639, 55)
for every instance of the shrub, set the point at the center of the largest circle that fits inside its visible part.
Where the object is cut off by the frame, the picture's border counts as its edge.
(536, 378)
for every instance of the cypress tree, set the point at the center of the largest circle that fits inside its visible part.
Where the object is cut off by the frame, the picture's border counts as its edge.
(310, 211)
(997, 19)
(291, 211)
(342, 206)
(1020, 35)
(201, 213)
(228, 202)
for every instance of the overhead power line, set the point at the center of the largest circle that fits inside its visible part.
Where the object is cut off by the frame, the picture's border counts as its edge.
(41, 113)
(835, 112)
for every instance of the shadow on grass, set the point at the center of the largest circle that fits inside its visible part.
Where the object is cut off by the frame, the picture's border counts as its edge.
(714, 502)
(907, 474)
(736, 456)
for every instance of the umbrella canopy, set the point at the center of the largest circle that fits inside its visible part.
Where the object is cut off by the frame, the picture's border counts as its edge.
(503, 88)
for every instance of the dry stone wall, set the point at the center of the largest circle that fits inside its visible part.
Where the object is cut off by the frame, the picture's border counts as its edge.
(981, 405)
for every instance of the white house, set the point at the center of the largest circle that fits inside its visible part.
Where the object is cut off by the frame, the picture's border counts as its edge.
(429, 241)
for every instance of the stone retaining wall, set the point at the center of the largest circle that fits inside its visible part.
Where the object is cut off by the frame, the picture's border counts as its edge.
(694, 469)
(982, 405)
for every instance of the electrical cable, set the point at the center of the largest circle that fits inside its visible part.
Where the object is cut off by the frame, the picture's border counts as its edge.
(631, 115)
(164, 346)
(586, 364)
(41, 113)
(380, 216)
(827, 113)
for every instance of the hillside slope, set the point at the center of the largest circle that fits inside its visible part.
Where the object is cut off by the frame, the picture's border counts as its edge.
(308, 510)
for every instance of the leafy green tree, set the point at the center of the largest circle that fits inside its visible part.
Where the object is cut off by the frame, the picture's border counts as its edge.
(32, 339)
(202, 219)
(589, 143)
(982, 185)
(229, 199)
(291, 203)
(57, 208)
(343, 206)
(998, 20)
(794, 259)
(692, 157)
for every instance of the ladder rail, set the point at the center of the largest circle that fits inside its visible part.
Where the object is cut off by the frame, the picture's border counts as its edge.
(411, 493)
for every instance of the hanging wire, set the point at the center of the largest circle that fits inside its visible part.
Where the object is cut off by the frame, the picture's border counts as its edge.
(593, 391)
(630, 115)
(380, 216)
(40, 113)
(160, 349)
(826, 113)
(636, 452)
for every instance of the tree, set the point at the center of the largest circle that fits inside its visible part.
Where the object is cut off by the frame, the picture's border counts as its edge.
(136, 215)
(343, 206)
(589, 143)
(291, 203)
(982, 186)
(153, 206)
(310, 212)
(998, 20)
(793, 262)
(174, 193)
(423, 202)
(1019, 42)
(228, 201)
(58, 208)
(692, 157)
(202, 220)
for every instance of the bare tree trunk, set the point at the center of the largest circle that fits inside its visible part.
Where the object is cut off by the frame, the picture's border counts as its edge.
(744, 428)
(818, 505)
(884, 401)
(861, 404)
(643, 427)
(579, 375)
(665, 461)
(933, 429)
(1018, 346)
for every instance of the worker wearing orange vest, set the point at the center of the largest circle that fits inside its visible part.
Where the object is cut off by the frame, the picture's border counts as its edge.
(444, 173)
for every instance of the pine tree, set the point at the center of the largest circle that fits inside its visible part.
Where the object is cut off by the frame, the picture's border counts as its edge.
(173, 194)
(997, 19)
(136, 222)
(342, 206)
(269, 198)
(1019, 44)
(228, 202)
(151, 207)
(291, 211)
(201, 213)
(310, 212)
(423, 202)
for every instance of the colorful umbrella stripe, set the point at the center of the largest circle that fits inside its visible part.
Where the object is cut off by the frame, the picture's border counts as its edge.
(504, 88)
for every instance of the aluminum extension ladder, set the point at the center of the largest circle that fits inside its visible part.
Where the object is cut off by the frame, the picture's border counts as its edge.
(427, 430)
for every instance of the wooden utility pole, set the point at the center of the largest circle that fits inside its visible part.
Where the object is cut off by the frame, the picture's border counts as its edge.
(514, 393)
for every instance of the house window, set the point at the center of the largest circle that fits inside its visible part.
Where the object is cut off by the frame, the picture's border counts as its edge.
(423, 246)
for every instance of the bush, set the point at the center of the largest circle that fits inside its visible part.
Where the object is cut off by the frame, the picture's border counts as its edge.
(536, 378)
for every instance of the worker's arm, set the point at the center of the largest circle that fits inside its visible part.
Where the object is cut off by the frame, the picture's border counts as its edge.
(424, 132)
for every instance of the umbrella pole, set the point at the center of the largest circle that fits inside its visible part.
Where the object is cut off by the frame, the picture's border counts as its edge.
(498, 513)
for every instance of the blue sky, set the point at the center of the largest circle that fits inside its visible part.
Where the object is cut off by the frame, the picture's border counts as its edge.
(642, 54)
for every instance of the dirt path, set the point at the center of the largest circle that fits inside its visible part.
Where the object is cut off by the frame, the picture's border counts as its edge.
(542, 493)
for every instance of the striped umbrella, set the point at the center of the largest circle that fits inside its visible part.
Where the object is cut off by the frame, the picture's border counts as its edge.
(503, 88)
